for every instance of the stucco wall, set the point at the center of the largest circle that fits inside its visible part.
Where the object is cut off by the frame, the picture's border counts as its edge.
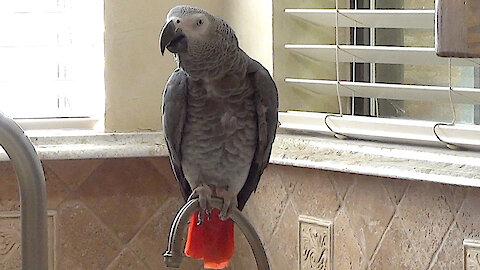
(135, 71)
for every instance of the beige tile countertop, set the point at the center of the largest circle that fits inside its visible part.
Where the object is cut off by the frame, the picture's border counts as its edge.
(351, 156)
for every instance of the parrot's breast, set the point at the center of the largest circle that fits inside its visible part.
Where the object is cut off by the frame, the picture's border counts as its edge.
(220, 133)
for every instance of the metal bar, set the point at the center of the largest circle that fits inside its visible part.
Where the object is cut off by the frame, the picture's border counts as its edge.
(337, 63)
(31, 182)
(362, 69)
(476, 107)
(174, 254)
(373, 77)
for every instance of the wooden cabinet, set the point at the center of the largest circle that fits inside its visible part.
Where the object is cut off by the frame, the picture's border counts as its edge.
(458, 28)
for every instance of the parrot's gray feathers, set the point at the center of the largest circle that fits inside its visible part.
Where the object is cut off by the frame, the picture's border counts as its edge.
(266, 98)
(173, 115)
(219, 108)
(185, 10)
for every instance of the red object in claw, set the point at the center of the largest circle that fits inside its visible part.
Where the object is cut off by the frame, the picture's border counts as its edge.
(212, 241)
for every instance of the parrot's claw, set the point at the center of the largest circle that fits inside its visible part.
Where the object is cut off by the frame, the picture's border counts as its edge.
(202, 214)
(229, 203)
(226, 212)
(208, 213)
(204, 194)
(200, 218)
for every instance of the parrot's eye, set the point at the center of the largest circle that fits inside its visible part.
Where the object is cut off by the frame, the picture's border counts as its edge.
(200, 22)
(178, 21)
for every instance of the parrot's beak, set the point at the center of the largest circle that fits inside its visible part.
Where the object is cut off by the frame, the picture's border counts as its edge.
(172, 38)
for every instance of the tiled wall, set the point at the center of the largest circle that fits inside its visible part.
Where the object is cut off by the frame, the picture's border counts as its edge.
(378, 223)
(115, 214)
(108, 214)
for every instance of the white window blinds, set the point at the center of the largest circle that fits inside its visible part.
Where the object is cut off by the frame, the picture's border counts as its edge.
(368, 69)
(52, 58)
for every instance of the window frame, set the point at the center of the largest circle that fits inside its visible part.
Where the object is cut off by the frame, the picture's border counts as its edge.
(93, 117)
(451, 135)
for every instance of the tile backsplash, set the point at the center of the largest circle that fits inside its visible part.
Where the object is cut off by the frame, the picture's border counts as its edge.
(116, 213)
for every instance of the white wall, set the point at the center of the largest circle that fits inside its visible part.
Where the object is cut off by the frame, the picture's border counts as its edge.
(252, 21)
(135, 72)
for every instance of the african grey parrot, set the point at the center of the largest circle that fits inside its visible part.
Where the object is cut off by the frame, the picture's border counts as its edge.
(219, 118)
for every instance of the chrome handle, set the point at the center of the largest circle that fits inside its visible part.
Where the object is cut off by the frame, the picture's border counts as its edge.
(31, 182)
(174, 254)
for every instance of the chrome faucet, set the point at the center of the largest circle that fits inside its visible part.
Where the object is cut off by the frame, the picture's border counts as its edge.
(31, 182)
(174, 254)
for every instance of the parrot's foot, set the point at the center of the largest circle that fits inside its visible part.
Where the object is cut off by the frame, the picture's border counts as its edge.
(229, 202)
(204, 194)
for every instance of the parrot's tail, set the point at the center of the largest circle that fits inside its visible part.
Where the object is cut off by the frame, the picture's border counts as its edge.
(212, 241)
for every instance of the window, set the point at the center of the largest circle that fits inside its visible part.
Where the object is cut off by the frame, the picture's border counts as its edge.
(52, 59)
(368, 69)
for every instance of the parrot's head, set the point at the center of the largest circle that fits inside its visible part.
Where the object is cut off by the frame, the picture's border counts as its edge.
(191, 30)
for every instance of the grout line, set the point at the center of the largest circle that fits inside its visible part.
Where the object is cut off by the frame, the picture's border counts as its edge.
(341, 205)
(56, 241)
(275, 228)
(377, 248)
(69, 191)
(284, 184)
(361, 247)
(401, 223)
(340, 208)
(297, 231)
(145, 264)
(157, 213)
(390, 195)
(390, 222)
(288, 199)
(115, 236)
(167, 176)
(111, 263)
(45, 167)
(340, 197)
(134, 254)
(450, 228)
(434, 258)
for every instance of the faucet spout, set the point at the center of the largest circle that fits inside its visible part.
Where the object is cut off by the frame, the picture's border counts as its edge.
(174, 254)
(31, 182)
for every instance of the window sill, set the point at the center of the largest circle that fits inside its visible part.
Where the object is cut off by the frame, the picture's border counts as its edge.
(301, 150)
(88, 144)
(410, 162)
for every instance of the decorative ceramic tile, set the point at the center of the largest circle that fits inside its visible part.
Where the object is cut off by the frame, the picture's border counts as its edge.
(316, 243)
(471, 254)
(10, 240)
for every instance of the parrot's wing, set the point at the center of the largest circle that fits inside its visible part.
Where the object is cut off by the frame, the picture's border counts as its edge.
(174, 110)
(266, 97)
